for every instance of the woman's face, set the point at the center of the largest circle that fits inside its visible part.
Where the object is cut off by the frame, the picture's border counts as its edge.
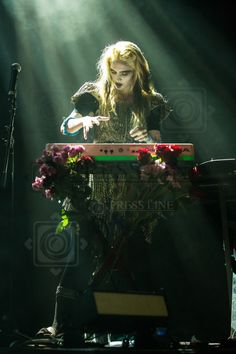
(122, 76)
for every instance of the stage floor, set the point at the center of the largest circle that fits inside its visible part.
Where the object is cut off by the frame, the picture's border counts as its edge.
(115, 348)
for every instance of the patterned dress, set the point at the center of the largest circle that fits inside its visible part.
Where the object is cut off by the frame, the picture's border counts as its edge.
(118, 199)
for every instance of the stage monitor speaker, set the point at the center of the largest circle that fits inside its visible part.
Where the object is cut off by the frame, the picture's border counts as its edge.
(122, 312)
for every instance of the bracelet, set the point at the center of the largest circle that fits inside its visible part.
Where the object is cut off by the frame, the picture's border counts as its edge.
(64, 127)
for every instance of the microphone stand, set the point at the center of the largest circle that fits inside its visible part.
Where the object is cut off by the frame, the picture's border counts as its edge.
(7, 185)
(9, 153)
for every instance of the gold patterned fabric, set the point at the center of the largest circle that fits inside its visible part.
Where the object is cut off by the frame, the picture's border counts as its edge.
(110, 191)
(117, 129)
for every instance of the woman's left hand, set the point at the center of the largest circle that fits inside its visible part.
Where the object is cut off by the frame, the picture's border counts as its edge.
(139, 134)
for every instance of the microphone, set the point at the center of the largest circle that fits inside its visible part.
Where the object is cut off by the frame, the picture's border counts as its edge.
(15, 69)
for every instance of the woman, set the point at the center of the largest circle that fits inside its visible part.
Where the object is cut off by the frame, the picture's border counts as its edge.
(122, 105)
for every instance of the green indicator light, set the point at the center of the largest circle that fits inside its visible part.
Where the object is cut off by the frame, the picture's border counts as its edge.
(115, 158)
(186, 158)
(134, 158)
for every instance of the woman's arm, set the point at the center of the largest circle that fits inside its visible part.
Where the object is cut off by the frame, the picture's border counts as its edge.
(75, 121)
(72, 124)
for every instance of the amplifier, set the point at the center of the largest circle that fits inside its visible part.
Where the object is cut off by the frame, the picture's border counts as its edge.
(123, 312)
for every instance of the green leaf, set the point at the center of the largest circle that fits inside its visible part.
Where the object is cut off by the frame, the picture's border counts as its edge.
(59, 228)
(63, 223)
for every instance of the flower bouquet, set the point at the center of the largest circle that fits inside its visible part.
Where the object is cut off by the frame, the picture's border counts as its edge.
(60, 177)
(65, 174)
(156, 192)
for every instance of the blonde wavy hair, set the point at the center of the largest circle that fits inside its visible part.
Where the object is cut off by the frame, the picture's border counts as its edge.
(143, 89)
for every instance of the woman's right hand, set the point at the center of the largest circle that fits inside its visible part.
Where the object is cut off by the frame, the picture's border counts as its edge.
(89, 121)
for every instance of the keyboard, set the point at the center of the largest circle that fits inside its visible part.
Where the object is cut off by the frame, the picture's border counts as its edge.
(126, 152)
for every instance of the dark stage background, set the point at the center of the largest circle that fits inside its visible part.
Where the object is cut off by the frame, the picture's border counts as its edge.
(190, 47)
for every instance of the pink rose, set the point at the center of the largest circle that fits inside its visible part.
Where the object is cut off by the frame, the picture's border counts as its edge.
(64, 156)
(38, 183)
(40, 161)
(59, 158)
(46, 153)
(73, 152)
(46, 170)
(66, 149)
(80, 149)
(55, 149)
(49, 193)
